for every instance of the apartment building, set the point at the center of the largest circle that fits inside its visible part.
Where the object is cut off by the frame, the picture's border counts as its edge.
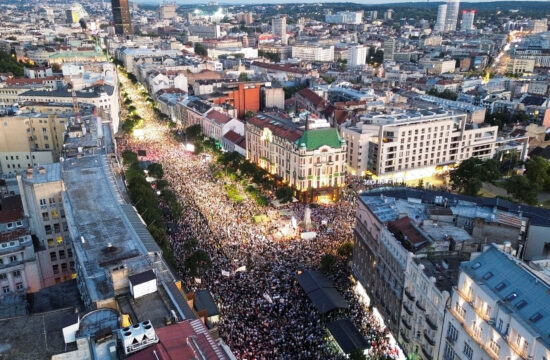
(28, 139)
(41, 190)
(103, 97)
(345, 17)
(518, 65)
(357, 55)
(313, 52)
(499, 309)
(304, 153)
(19, 272)
(413, 144)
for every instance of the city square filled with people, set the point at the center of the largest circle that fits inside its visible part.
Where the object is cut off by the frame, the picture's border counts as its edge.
(264, 312)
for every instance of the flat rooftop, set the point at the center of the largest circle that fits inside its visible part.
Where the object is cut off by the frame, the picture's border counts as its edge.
(34, 337)
(408, 117)
(103, 237)
(43, 174)
(444, 268)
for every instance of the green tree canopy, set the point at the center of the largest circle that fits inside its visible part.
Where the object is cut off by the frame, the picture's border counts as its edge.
(155, 170)
(521, 189)
(537, 170)
(469, 176)
(194, 132)
(200, 49)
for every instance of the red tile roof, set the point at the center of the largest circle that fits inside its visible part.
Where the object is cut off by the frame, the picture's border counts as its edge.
(12, 235)
(311, 97)
(232, 136)
(11, 209)
(404, 231)
(277, 127)
(175, 343)
(26, 81)
(218, 117)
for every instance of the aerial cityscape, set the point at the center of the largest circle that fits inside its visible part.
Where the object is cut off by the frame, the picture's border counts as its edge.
(274, 180)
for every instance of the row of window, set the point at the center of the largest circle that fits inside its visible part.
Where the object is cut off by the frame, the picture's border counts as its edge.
(54, 255)
(17, 157)
(6, 289)
(15, 274)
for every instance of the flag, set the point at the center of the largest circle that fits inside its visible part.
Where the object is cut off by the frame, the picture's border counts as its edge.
(268, 298)
(242, 268)
(198, 281)
(225, 273)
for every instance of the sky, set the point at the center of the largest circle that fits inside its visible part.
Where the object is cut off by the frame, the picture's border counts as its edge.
(367, 2)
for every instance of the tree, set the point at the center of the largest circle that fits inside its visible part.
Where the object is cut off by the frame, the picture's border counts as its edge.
(129, 157)
(284, 194)
(521, 189)
(243, 77)
(194, 132)
(357, 355)
(469, 176)
(155, 170)
(200, 49)
(8, 63)
(198, 262)
(345, 249)
(537, 171)
(327, 262)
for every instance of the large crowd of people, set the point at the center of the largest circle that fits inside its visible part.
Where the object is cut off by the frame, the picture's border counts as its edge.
(264, 314)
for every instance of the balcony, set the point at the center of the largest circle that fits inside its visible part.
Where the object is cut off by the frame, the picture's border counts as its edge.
(406, 323)
(467, 297)
(481, 313)
(404, 336)
(473, 333)
(428, 338)
(427, 353)
(409, 295)
(407, 309)
(431, 323)
(420, 306)
(520, 352)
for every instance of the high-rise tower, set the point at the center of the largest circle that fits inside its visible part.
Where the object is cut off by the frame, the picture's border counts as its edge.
(121, 16)
(452, 15)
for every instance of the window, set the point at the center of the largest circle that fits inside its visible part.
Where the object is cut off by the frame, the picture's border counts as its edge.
(521, 304)
(17, 273)
(536, 317)
(57, 228)
(477, 265)
(511, 296)
(13, 258)
(500, 286)
(62, 254)
(59, 240)
(48, 229)
(5, 289)
(45, 216)
(55, 214)
(19, 286)
(53, 256)
(495, 348)
(3, 276)
(64, 267)
(55, 269)
(468, 351)
(452, 333)
(70, 253)
(487, 275)
(50, 242)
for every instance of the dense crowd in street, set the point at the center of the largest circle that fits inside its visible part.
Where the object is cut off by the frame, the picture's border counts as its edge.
(264, 314)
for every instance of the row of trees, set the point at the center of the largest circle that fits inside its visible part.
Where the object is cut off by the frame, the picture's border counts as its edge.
(470, 175)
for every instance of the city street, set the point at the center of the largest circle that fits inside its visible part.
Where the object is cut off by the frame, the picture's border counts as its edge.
(264, 312)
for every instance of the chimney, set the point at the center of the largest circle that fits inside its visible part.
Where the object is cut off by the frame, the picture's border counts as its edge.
(307, 122)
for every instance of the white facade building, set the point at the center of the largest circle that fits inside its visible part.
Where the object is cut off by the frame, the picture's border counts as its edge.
(357, 55)
(410, 145)
(441, 15)
(468, 20)
(499, 310)
(345, 17)
(451, 19)
(278, 28)
(313, 52)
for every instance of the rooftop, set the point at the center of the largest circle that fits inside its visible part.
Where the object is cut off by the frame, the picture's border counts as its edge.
(104, 238)
(516, 287)
(11, 209)
(408, 116)
(444, 268)
(34, 337)
(90, 92)
(41, 174)
(314, 139)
